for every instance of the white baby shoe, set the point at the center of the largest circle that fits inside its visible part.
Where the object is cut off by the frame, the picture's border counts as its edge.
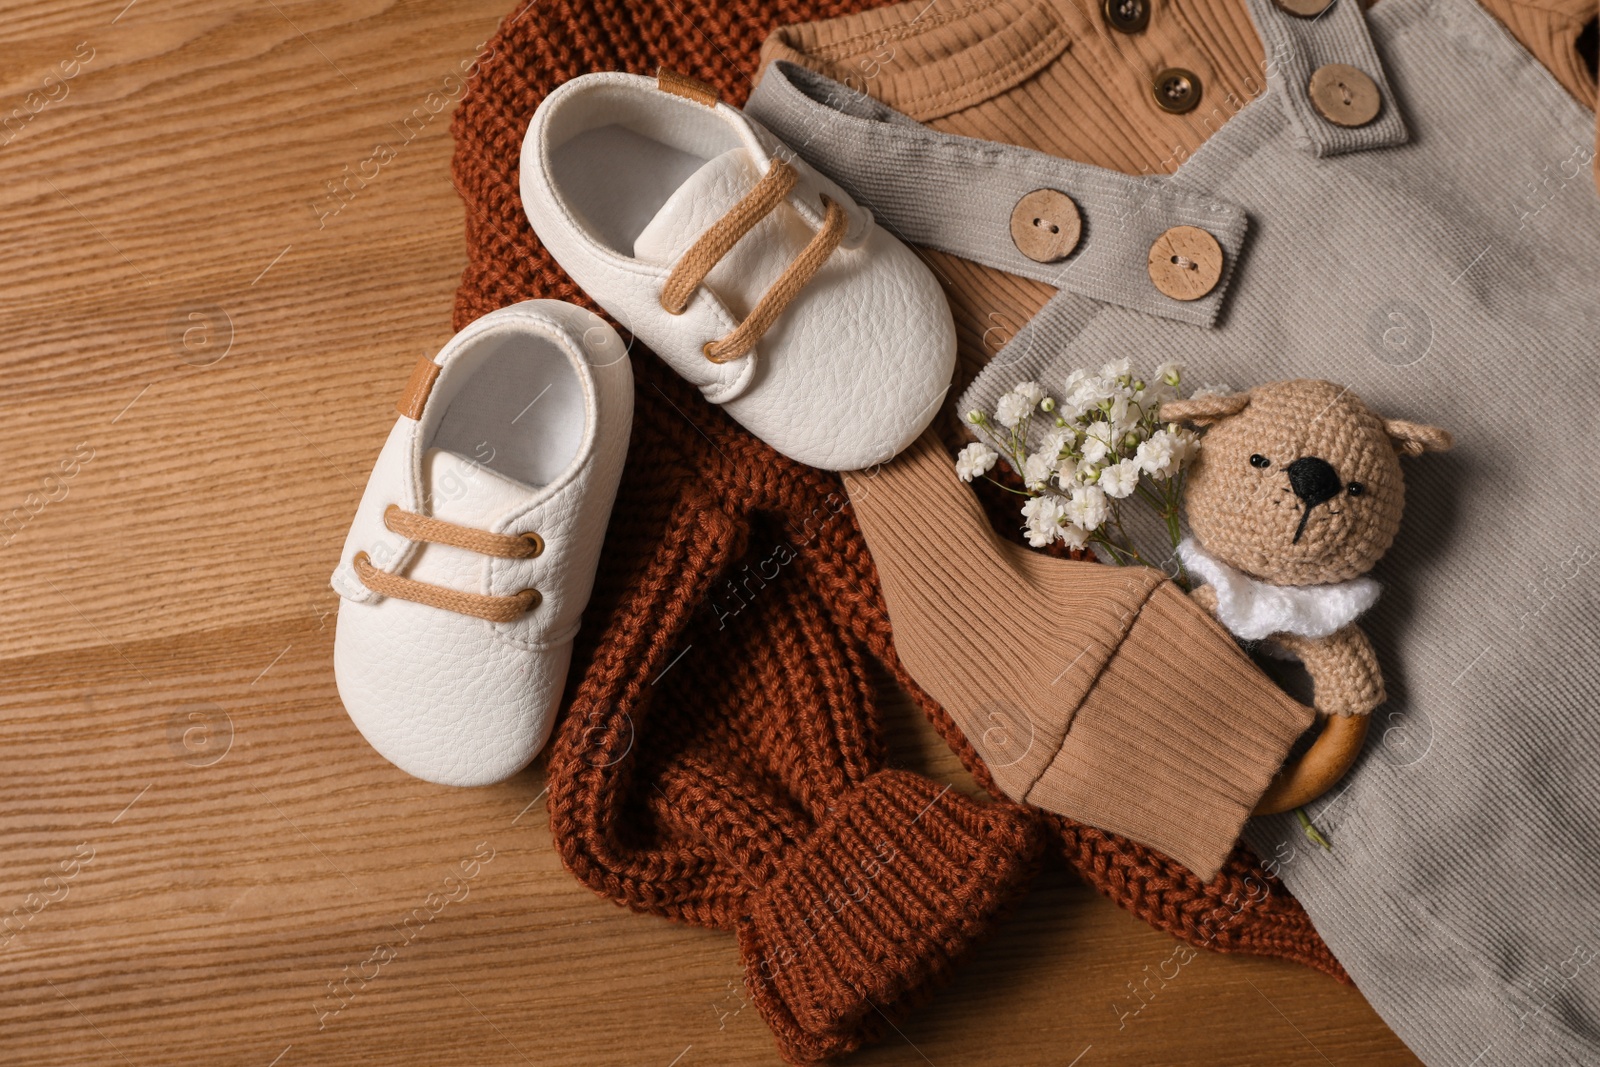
(474, 548)
(755, 277)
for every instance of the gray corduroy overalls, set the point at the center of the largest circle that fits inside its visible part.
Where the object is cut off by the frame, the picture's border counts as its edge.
(1406, 259)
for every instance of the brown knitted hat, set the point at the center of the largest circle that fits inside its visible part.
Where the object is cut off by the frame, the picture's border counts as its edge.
(720, 758)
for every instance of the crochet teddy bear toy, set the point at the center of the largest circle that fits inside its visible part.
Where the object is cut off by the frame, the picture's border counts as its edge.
(1295, 495)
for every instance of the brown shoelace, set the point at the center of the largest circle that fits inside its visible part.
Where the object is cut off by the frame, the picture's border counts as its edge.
(414, 527)
(708, 250)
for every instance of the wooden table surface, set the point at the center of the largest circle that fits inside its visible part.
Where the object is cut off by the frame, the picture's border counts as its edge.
(202, 346)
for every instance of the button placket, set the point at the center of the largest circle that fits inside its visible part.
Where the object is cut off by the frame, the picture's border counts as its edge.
(1333, 85)
(941, 186)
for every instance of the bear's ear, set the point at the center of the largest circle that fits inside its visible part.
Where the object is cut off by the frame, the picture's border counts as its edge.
(1413, 439)
(1205, 410)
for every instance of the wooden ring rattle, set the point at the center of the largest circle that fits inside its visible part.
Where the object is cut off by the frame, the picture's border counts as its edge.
(1320, 768)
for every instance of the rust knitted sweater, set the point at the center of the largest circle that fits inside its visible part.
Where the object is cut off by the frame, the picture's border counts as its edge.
(720, 759)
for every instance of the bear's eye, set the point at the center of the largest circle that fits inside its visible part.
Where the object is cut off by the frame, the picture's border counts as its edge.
(1356, 489)
(1258, 460)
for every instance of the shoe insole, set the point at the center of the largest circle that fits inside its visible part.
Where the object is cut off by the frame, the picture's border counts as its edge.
(520, 413)
(617, 180)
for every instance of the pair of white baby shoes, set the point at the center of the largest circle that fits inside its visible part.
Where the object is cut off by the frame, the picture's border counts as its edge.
(474, 548)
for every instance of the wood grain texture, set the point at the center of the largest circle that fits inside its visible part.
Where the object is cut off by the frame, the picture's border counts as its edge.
(204, 863)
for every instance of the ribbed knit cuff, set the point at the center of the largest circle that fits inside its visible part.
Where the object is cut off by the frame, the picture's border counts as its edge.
(869, 914)
(1177, 739)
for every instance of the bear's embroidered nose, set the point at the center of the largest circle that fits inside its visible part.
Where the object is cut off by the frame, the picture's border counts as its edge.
(1315, 482)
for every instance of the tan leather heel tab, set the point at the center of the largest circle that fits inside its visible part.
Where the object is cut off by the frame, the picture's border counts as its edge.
(423, 375)
(670, 81)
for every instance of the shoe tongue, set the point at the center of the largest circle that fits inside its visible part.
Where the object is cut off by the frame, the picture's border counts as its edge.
(468, 493)
(700, 201)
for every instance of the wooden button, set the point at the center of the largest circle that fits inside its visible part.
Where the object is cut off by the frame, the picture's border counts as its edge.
(1176, 90)
(1186, 263)
(1344, 96)
(1126, 16)
(1305, 9)
(1045, 225)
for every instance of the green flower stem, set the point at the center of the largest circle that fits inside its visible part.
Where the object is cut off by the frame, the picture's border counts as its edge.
(1311, 830)
(1172, 491)
(1007, 488)
(1183, 575)
(1127, 542)
(1161, 505)
(1106, 542)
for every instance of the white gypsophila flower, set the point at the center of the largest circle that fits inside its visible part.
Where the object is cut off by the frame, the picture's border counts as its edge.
(1044, 514)
(1040, 535)
(1084, 392)
(1016, 405)
(1036, 469)
(1103, 433)
(1118, 415)
(1157, 457)
(1185, 443)
(1123, 390)
(1074, 535)
(1035, 506)
(1012, 408)
(1117, 368)
(974, 460)
(1095, 387)
(1120, 479)
(1074, 380)
(1211, 390)
(1088, 508)
(1157, 390)
(1098, 441)
(1055, 442)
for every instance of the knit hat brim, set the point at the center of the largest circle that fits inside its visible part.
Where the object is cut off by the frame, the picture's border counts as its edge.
(869, 915)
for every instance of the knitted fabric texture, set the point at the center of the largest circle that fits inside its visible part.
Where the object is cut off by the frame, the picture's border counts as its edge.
(719, 761)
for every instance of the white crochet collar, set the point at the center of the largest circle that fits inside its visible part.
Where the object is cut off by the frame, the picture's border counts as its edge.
(1252, 609)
